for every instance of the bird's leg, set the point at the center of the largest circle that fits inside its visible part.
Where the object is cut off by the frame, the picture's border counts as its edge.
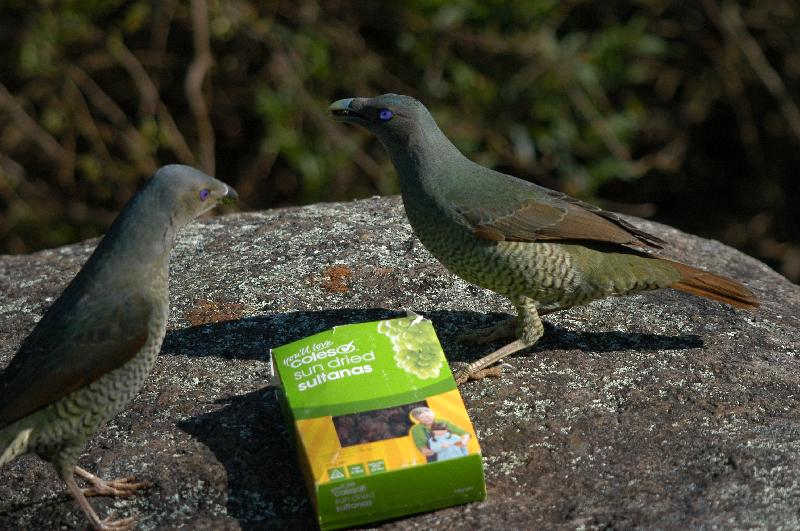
(107, 524)
(529, 330)
(115, 487)
(503, 329)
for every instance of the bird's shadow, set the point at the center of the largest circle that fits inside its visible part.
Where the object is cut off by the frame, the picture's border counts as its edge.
(253, 337)
(248, 435)
(249, 438)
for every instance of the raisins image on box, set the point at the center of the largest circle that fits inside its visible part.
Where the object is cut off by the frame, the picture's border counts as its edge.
(416, 348)
(375, 425)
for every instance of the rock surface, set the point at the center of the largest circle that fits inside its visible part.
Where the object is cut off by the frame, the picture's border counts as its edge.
(658, 410)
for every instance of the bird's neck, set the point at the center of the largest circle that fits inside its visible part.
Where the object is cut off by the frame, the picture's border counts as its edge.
(139, 239)
(425, 160)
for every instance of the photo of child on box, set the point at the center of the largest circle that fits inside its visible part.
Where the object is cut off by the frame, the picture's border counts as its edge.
(422, 433)
(446, 445)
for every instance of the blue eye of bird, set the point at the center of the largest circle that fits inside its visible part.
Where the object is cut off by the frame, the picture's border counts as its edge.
(204, 193)
(384, 115)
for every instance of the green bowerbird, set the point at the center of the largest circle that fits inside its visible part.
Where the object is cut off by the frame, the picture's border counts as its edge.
(543, 250)
(90, 353)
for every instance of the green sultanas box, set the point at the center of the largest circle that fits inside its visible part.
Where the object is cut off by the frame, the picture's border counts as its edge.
(380, 426)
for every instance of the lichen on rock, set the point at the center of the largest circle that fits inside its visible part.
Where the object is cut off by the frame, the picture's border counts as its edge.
(656, 410)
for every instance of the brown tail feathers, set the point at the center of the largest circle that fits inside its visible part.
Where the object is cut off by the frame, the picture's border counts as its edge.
(712, 286)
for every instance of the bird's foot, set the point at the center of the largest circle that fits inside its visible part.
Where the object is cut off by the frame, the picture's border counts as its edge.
(465, 375)
(110, 524)
(115, 487)
(481, 368)
(502, 330)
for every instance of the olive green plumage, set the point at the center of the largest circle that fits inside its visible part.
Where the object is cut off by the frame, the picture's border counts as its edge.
(543, 250)
(89, 355)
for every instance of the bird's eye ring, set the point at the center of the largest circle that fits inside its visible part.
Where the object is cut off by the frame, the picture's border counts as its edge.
(384, 115)
(204, 193)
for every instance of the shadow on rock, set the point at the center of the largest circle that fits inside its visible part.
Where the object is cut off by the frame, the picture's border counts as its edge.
(557, 337)
(252, 337)
(450, 324)
(248, 436)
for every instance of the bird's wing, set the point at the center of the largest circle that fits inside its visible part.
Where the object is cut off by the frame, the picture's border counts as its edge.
(510, 209)
(70, 349)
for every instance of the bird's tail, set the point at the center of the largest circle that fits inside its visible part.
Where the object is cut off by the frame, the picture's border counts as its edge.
(712, 286)
(13, 442)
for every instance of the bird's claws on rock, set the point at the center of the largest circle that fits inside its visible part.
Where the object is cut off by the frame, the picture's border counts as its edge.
(124, 524)
(116, 487)
(465, 375)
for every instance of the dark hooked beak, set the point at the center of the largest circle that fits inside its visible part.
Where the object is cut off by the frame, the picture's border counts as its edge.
(230, 195)
(343, 111)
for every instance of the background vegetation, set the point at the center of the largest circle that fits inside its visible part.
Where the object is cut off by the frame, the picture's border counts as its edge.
(686, 112)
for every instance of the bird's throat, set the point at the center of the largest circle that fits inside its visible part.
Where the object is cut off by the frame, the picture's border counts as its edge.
(419, 161)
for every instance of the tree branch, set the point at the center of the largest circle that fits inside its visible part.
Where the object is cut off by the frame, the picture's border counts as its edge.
(136, 144)
(151, 101)
(32, 129)
(193, 85)
(368, 165)
(730, 20)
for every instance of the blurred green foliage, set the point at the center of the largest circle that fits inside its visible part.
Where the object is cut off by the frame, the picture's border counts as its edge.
(650, 106)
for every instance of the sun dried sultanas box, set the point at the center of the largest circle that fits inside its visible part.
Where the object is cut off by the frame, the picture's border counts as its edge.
(380, 426)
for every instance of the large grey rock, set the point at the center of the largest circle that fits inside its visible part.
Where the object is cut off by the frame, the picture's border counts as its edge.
(659, 410)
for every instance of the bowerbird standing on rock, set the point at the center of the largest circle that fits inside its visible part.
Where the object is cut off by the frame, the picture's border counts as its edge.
(89, 355)
(543, 250)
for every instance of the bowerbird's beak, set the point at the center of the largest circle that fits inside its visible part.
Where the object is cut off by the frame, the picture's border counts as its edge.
(230, 195)
(346, 110)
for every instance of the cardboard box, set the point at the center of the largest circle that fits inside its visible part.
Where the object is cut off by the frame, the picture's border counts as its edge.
(380, 426)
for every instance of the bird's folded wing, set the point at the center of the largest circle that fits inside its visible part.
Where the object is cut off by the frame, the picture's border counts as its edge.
(71, 350)
(527, 213)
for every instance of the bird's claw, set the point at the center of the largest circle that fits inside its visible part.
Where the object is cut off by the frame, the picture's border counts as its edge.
(116, 487)
(110, 524)
(464, 375)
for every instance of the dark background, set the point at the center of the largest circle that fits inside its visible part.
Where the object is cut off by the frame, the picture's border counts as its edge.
(683, 112)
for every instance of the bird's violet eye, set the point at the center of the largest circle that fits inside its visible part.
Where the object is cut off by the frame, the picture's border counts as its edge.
(384, 115)
(204, 193)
